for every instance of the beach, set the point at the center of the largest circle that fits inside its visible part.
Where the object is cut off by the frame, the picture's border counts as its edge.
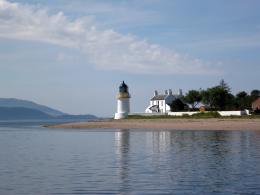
(166, 124)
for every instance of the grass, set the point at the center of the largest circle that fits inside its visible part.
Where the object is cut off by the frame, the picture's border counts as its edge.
(195, 116)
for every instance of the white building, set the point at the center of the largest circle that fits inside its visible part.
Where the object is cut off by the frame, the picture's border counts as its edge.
(123, 103)
(161, 103)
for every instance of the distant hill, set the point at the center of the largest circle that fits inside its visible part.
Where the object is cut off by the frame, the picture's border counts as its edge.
(12, 103)
(20, 113)
(15, 109)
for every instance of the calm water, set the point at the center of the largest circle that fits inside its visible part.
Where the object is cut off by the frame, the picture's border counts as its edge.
(35, 160)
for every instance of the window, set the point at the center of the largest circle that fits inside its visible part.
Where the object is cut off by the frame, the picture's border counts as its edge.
(162, 103)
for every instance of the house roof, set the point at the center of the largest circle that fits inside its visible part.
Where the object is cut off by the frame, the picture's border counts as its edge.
(256, 103)
(198, 105)
(256, 100)
(159, 97)
(154, 108)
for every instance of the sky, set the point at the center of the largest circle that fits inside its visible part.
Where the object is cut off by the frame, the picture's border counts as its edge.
(72, 55)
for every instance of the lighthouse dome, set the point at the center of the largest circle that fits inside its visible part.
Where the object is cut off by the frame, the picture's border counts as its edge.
(123, 88)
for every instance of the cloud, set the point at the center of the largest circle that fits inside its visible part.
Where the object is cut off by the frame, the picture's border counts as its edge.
(106, 49)
(135, 14)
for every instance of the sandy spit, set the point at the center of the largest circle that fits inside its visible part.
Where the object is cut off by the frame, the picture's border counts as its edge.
(167, 124)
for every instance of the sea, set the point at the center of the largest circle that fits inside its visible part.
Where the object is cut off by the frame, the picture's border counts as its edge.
(38, 160)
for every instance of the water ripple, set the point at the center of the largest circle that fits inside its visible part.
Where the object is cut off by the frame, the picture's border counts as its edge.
(129, 162)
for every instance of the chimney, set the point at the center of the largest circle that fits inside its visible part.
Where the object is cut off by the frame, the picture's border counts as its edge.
(170, 92)
(180, 92)
(155, 93)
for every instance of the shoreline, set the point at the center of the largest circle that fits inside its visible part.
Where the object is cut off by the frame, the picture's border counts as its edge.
(166, 124)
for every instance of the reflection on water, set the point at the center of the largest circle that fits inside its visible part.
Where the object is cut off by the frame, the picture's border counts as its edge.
(122, 156)
(44, 161)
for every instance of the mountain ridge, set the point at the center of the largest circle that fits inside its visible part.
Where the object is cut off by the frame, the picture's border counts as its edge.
(20, 113)
(14, 109)
(13, 102)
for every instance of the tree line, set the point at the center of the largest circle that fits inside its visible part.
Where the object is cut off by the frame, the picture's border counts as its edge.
(216, 98)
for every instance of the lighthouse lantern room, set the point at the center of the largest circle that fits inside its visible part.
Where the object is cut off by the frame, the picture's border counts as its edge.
(123, 103)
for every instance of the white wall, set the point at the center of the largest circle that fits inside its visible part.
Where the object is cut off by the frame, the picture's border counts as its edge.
(148, 114)
(123, 105)
(222, 113)
(232, 113)
(181, 113)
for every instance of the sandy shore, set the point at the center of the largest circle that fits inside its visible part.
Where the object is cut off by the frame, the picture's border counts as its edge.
(167, 124)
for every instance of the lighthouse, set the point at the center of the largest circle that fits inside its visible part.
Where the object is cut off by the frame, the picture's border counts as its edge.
(123, 104)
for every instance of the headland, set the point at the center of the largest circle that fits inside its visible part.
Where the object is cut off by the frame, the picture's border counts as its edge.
(168, 124)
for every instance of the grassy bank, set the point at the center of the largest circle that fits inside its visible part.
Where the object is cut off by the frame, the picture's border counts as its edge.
(195, 116)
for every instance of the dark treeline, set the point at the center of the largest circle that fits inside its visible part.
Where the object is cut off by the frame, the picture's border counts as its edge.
(218, 98)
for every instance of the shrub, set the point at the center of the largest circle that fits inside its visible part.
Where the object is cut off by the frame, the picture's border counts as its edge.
(206, 115)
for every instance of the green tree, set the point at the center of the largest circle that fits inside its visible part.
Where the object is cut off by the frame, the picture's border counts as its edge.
(177, 105)
(230, 102)
(224, 85)
(193, 97)
(205, 96)
(254, 94)
(242, 100)
(218, 98)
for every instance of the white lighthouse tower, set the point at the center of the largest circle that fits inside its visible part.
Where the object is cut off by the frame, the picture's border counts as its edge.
(123, 104)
